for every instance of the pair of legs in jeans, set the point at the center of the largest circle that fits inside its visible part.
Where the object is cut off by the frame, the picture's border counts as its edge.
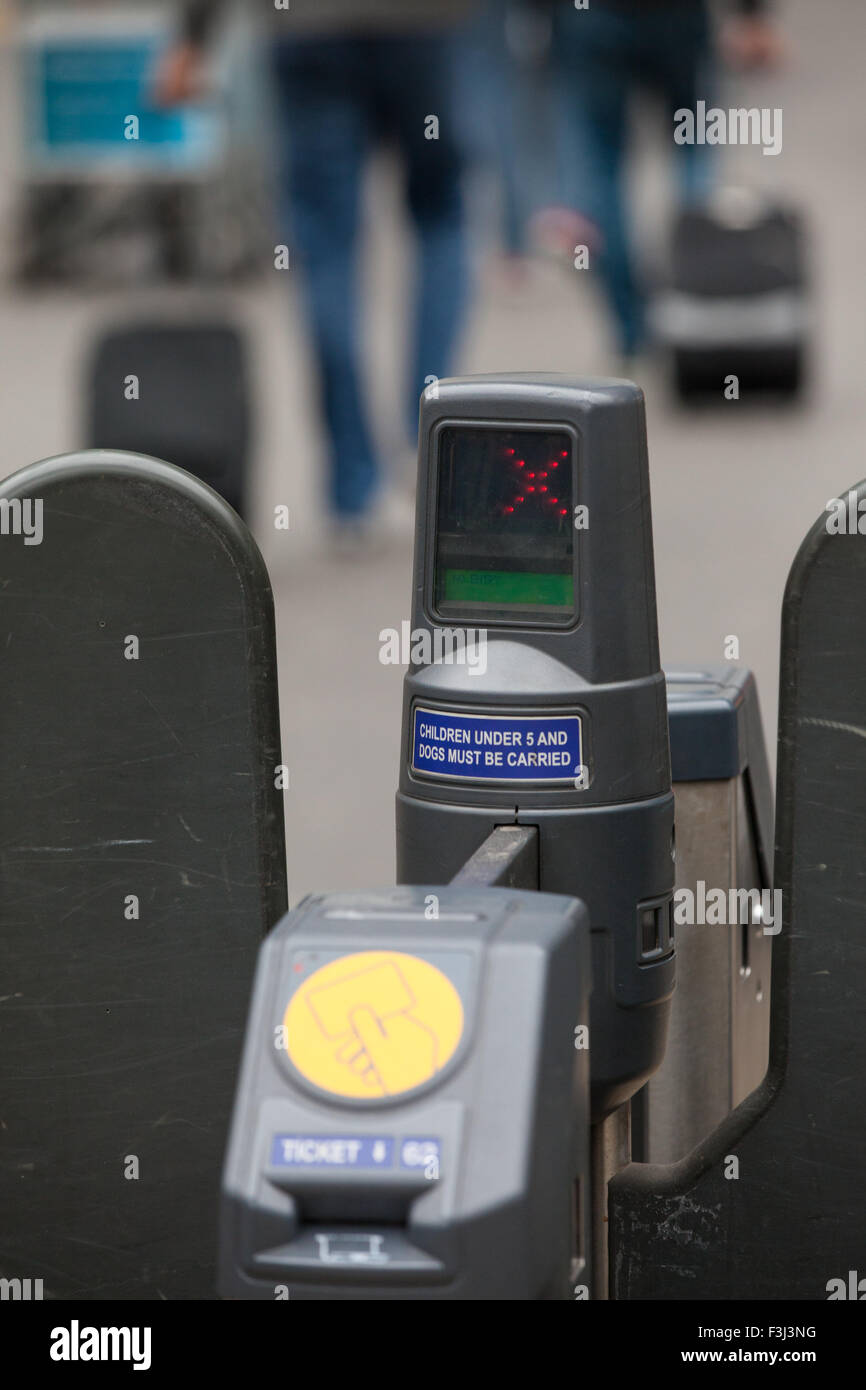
(338, 97)
(602, 55)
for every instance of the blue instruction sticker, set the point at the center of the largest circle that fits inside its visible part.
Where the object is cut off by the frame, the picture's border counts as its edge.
(497, 747)
(331, 1151)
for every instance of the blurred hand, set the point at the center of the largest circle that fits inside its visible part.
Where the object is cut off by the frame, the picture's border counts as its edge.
(753, 41)
(180, 76)
(558, 231)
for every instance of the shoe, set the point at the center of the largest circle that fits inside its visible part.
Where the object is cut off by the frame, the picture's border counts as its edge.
(393, 517)
(351, 538)
(390, 521)
(639, 366)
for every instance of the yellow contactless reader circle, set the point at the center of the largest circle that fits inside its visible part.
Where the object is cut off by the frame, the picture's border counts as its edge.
(373, 1024)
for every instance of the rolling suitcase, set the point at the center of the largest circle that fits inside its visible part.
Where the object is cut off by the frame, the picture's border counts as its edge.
(176, 392)
(737, 303)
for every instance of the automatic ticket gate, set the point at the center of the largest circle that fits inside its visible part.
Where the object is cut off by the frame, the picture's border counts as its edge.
(480, 1084)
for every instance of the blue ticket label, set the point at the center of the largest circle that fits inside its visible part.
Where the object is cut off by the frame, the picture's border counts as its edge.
(421, 1155)
(331, 1151)
(498, 747)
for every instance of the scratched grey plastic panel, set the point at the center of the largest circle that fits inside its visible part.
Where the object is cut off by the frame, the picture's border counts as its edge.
(794, 1220)
(153, 778)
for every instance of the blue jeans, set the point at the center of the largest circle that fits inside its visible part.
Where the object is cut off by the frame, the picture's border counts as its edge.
(337, 98)
(602, 56)
(505, 109)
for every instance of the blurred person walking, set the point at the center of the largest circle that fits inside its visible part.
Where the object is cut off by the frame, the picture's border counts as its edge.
(349, 73)
(602, 55)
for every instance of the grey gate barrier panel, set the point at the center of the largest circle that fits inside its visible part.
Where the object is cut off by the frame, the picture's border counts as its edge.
(142, 853)
(771, 1205)
(718, 1039)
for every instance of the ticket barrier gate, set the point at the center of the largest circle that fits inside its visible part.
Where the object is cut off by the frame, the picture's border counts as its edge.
(719, 762)
(660, 1227)
(453, 1166)
(467, 736)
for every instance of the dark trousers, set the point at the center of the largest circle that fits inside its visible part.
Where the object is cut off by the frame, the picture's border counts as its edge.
(338, 97)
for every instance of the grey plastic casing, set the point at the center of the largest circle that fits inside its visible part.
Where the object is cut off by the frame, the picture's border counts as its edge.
(610, 842)
(499, 1218)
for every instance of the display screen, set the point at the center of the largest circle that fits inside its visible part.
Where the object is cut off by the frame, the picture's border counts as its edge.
(505, 524)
